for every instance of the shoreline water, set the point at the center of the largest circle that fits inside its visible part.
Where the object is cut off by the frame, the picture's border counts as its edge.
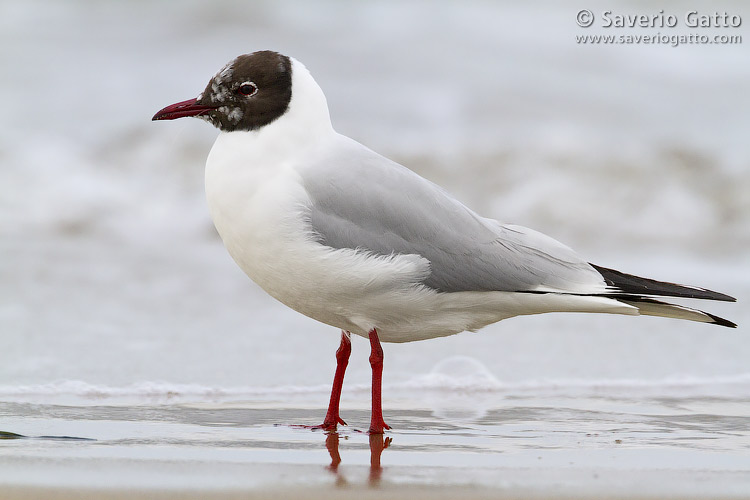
(518, 447)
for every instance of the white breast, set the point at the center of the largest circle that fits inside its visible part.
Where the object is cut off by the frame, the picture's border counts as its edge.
(260, 211)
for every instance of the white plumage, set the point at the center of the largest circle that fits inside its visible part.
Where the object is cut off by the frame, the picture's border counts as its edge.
(354, 240)
(258, 202)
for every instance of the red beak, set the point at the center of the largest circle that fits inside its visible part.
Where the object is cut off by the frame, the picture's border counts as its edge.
(181, 109)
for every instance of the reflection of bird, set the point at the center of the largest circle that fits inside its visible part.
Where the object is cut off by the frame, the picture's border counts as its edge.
(378, 443)
(352, 239)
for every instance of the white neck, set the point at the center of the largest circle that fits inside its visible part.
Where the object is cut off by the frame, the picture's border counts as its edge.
(308, 109)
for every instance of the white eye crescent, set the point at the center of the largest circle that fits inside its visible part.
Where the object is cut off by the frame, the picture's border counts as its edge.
(247, 89)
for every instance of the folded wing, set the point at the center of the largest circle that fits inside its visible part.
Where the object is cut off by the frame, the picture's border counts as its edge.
(379, 206)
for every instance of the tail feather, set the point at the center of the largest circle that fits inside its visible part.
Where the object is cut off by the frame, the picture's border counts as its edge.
(653, 307)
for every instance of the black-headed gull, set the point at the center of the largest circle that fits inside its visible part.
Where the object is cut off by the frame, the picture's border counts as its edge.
(357, 241)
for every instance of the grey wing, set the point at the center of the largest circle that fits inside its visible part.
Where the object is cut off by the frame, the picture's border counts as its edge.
(371, 203)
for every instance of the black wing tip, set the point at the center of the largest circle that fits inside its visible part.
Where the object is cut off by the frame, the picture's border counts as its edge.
(631, 284)
(716, 320)
(635, 301)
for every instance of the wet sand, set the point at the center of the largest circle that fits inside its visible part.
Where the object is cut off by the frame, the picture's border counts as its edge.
(563, 447)
(396, 492)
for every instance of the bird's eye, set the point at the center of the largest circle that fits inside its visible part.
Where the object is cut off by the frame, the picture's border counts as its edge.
(247, 89)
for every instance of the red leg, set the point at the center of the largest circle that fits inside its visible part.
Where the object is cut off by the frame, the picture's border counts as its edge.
(377, 426)
(332, 418)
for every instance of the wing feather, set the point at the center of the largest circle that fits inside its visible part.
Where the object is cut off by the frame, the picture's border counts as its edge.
(361, 200)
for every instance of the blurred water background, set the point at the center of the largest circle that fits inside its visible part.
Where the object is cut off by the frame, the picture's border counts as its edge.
(115, 288)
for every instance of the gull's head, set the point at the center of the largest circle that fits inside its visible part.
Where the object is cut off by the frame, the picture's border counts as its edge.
(249, 93)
